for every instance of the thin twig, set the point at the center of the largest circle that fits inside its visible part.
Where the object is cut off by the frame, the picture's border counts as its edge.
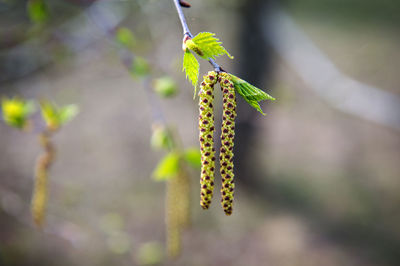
(187, 32)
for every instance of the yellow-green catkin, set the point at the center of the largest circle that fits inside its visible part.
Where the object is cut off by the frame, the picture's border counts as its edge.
(177, 211)
(183, 199)
(227, 141)
(39, 197)
(206, 128)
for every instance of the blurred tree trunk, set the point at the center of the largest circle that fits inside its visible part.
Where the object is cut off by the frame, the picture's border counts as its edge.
(255, 66)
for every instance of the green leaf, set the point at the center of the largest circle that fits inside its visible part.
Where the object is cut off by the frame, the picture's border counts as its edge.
(168, 167)
(125, 37)
(165, 86)
(250, 94)
(193, 157)
(16, 111)
(55, 116)
(209, 45)
(67, 113)
(37, 11)
(49, 114)
(191, 66)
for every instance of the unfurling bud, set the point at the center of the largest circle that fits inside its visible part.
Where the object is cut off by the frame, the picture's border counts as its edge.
(206, 128)
(227, 138)
(189, 44)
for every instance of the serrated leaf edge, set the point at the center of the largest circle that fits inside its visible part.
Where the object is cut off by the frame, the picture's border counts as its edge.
(253, 96)
(196, 80)
(199, 43)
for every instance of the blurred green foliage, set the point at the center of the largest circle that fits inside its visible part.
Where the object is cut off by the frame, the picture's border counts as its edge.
(125, 37)
(37, 11)
(165, 87)
(140, 67)
(16, 111)
(150, 253)
(193, 157)
(55, 116)
(168, 167)
(161, 138)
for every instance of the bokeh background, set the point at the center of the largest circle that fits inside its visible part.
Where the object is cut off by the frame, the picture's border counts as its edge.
(318, 178)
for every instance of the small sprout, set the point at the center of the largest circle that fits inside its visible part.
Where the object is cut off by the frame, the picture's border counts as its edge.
(55, 116)
(161, 137)
(165, 86)
(125, 37)
(16, 112)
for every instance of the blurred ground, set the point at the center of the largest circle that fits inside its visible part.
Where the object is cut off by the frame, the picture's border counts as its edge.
(328, 181)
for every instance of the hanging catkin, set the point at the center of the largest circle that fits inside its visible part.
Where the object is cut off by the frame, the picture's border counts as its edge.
(39, 197)
(227, 138)
(177, 211)
(206, 128)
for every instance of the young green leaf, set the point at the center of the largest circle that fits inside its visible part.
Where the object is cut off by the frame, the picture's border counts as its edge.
(140, 67)
(55, 116)
(67, 113)
(49, 114)
(165, 86)
(37, 11)
(16, 111)
(191, 66)
(168, 167)
(192, 156)
(125, 37)
(250, 94)
(209, 45)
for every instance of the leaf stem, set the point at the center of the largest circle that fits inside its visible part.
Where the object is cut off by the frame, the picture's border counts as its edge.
(187, 32)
